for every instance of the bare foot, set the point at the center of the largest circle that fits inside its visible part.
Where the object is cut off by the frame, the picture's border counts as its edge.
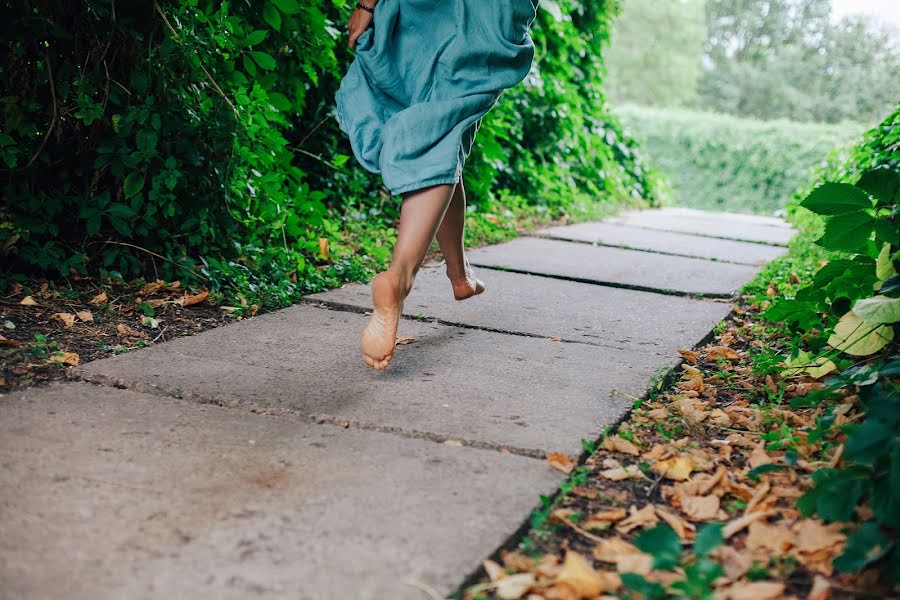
(466, 286)
(380, 335)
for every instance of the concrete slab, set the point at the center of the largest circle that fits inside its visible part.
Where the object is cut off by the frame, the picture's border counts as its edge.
(106, 493)
(615, 266)
(681, 244)
(548, 308)
(487, 389)
(657, 220)
(718, 216)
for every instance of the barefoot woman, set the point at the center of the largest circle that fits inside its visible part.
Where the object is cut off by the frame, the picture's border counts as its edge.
(425, 73)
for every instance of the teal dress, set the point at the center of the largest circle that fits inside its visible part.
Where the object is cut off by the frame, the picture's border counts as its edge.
(424, 75)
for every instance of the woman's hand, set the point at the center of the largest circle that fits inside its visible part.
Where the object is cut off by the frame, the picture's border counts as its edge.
(360, 20)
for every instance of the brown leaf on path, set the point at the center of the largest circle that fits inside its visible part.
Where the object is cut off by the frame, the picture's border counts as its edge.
(608, 516)
(517, 561)
(621, 473)
(689, 355)
(85, 315)
(610, 549)
(700, 508)
(817, 544)
(759, 457)
(616, 443)
(764, 539)
(716, 352)
(684, 529)
(189, 300)
(493, 570)
(734, 563)
(155, 302)
(9, 343)
(151, 288)
(127, 331)
(403, 341)
(638, 518)
(754, 590)
(28, 301)
(677, 468)
(66, 358)
(821, 589)
(737, 525)
(639, 563)
(66, 319)
(692, 409)
(578, 574)
(99, 299)
(513, 587)
(561, 462)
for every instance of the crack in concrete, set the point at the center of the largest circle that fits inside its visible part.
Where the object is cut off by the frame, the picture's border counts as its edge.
(352, 308)
(648, 250)
(701, 296)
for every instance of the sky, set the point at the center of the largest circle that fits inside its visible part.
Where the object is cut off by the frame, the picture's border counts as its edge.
(883, 10)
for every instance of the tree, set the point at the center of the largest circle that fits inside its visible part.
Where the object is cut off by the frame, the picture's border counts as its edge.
(655, 54)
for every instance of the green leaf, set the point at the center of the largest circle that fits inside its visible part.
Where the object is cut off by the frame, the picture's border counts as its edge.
(280, 101)
(869, 442)
(122, 211)
(272, 16)
(288, 7)
(858, 338)
(663, 543)
(864, 547)
(637, 583)
(836, 199)
(265, 61)
(134, 183)
(709, 537)
(884, 184)
(249, 65)
(884, 268)
(878, 309)
(804, 314)
(255, 37)
(834, 496)
(847, 232)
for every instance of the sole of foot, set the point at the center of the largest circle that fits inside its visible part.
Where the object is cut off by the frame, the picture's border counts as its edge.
(380, 336)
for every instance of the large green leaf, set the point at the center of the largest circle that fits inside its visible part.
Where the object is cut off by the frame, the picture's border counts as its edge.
(134, 183)
(265, 61)
(288, 7)
(272, 16)
(858, 338)
(878, 309)
(255, 37)
(663, 543)
(869, 441)
(836, 199)
(847, 232)
(881, 183)
(709, 537)
(865, 546)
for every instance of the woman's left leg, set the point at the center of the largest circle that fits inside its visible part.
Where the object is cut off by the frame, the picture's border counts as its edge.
(451, 238)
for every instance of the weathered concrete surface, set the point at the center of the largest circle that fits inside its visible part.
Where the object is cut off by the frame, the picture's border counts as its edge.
(548, 308)
(486, 388)
(717, 216)
(668, 242)
(616, 266)
(729, 228)
(106, 493)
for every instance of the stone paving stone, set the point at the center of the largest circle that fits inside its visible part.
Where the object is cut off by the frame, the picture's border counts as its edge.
(106, 493)
(666, 242)
(717, 216)
(490, 389)
(728, 228)
(616, 266)
(548, 308)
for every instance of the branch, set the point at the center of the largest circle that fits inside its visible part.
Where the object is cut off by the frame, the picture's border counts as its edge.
(53, 120)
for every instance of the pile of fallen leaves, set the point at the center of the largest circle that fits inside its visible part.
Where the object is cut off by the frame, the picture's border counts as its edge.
(46, 327)
(719, 449)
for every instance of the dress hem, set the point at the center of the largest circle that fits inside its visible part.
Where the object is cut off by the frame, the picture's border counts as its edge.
(443, 179)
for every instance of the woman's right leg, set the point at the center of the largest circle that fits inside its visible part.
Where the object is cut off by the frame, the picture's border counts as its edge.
(420, 217)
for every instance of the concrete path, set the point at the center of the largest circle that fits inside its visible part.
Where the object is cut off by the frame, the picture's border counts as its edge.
(262, 459)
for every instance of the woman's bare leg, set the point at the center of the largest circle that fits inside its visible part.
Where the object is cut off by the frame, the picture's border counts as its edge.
(451, 238)
(420, 217)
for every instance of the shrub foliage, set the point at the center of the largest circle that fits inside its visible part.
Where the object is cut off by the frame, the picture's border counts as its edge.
(198, 137)
(726, 163)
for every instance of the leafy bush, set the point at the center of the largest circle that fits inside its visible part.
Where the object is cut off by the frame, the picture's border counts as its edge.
(198, 137)
(854, 301)
(721, 162)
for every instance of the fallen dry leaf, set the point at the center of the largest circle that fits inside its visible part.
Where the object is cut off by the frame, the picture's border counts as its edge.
(9, 343)
(561, 462)
(821, 589)
(684, 529)
(638, 518)
(609, 550)
(28, 301)
(127, 331)
(84, 315)
(616, 443)
(99, 299)
(754, 590)
(700, 508)
(621, 473)
(150, 288)
(189, 300)
(66, 319)
(715, 352)
(517, 561)
(513, 587)
(493, 570)
(678, 468)
(689, 355)
(578, 574)
(737, 525)
(323, 248)
(402, 341)
(765, 539)
(759, 457)
(735, 563)
(66, 358)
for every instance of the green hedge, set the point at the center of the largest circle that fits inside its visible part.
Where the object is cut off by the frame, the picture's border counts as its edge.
(197, 138)
(725, 163)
